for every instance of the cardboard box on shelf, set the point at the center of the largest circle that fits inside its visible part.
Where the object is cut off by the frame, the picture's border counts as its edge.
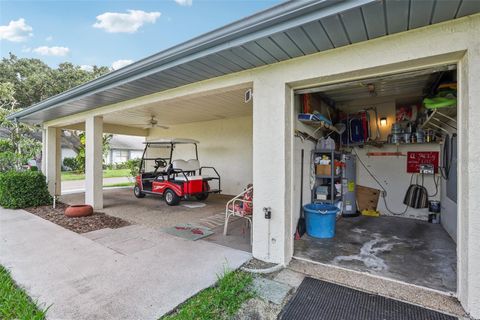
(323, 169)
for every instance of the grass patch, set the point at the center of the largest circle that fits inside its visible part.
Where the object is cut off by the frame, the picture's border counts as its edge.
(69, 175)
(120, 184)
(14, 302)
(219, 302)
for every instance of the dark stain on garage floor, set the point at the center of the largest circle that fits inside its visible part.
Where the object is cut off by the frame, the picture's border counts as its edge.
(404, 249)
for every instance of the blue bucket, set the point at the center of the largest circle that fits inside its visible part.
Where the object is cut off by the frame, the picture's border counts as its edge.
(320, 219)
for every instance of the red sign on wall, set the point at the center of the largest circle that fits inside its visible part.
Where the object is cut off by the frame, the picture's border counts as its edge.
(415, 159)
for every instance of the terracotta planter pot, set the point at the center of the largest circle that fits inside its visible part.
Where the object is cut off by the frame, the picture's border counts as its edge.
(79, 210)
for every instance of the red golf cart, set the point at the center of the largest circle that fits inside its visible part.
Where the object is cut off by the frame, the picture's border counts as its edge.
(175, 179)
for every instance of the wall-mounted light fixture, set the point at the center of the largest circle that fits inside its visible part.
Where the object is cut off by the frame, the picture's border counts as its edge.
(383, 122)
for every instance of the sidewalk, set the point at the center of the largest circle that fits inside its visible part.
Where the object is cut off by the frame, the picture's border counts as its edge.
(135, 272)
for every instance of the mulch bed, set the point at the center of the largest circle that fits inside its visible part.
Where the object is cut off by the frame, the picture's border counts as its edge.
(96, 221)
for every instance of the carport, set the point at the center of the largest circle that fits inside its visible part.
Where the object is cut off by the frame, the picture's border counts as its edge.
(295, 45)
(219, 119)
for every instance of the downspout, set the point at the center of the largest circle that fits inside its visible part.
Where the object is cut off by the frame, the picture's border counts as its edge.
(19, 149)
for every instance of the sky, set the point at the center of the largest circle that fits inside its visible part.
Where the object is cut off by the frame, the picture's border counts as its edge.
(111, 33)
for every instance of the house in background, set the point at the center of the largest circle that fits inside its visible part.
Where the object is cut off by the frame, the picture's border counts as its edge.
(122, 148)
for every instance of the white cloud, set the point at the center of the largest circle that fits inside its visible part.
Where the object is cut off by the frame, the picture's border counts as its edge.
(185, 3)
(49, 38)
(125, 22)
(52, 51)
(86, 67)
(16, 31)
(121, 63)
(26, 49)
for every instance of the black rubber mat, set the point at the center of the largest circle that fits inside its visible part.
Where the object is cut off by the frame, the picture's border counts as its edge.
(322, 300)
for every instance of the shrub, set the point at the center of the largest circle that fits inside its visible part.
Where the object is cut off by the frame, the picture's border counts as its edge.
(70, 164)
(134, 166)
(109, 166)
(21, 189)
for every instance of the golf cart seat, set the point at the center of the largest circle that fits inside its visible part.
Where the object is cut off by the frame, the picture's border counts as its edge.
(190, 167)
(187, 166)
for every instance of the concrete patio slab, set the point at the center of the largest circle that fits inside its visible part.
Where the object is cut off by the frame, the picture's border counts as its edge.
(292, 278)
(152, 210)
(270, 290)
(148, 274)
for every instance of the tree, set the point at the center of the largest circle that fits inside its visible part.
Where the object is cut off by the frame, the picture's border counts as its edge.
(24, 82)
(81, 152)
(18, 144)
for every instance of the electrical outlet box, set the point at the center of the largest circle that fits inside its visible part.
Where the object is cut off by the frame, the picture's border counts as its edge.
(427, 169)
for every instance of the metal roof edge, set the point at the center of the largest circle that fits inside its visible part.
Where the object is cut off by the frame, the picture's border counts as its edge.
(262, 20)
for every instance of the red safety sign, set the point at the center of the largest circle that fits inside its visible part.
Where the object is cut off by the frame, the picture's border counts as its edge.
(417, 158)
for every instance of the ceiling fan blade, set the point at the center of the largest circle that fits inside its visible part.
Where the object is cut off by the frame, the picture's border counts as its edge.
(160, 126)
(140, 124)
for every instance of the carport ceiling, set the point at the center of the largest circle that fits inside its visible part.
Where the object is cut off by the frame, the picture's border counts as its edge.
(193, 108)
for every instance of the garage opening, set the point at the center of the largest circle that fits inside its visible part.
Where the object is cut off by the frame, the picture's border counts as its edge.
(379, 176)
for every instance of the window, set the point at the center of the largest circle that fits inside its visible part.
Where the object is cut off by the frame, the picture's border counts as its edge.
(135, 154)
(119, 156)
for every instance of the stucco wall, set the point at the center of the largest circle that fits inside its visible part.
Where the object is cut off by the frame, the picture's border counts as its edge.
(391, 171)
(449, 213)
(224, 144)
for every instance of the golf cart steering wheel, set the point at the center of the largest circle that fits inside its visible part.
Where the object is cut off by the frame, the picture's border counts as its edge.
(160, 163)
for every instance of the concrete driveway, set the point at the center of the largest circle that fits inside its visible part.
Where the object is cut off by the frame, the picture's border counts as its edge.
(136, 272)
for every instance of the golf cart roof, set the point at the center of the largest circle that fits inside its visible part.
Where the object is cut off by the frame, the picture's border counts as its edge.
(171, 141)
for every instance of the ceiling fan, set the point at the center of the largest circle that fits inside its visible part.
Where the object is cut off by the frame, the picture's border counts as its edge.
(152, 123)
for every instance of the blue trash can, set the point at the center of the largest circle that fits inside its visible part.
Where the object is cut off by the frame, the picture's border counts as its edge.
(320, 219)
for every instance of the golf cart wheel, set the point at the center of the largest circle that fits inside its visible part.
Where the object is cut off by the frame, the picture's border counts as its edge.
(137, 192)
(202, 196)
(171, 198)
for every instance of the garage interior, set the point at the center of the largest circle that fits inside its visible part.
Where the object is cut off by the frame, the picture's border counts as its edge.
(383, 151)
(221, 121)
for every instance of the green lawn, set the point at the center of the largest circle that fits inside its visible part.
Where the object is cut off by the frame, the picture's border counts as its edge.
(120, 184)
(68, 175)
(14, 302)
(219, 302)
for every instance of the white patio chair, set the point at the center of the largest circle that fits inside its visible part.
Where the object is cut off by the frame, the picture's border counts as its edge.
(240, 207)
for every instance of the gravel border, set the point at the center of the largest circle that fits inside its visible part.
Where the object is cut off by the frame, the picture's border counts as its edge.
(97, 221)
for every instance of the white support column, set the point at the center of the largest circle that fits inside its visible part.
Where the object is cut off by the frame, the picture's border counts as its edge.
(44, 151)
(272, 142)
(468, 202)
(93, 162)
(51, 159)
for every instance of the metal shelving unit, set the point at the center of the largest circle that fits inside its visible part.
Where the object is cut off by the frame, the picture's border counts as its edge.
(320, 125)
(442, 118)
(324, 179)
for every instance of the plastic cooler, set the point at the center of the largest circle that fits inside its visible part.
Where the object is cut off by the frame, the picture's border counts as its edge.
(320, 219)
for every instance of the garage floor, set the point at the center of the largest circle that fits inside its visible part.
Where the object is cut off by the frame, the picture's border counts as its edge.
(153, 212)
(408, 250)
